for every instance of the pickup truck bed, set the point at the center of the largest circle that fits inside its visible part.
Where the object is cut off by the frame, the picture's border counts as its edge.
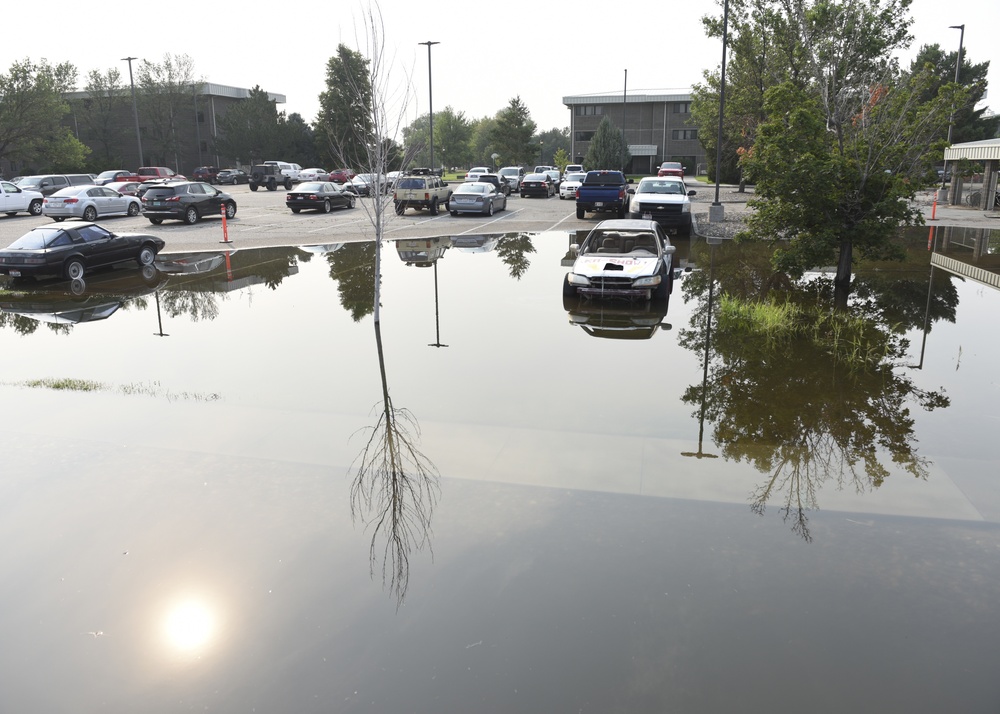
(603, 192)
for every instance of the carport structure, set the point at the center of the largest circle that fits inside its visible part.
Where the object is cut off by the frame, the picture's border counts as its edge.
(988, 153)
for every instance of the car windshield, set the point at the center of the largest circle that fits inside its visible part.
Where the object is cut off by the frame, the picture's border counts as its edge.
(576, 177)
(619, 241)
(509, 172)
(37, 239)
(654, 186)
(311, 186)
(670, 165)
(29, 181)
(473, 188)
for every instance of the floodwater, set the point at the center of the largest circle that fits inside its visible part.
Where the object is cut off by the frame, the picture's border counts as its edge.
(223, 489)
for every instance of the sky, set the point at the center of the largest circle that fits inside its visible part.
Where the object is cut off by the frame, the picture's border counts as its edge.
(488, 53)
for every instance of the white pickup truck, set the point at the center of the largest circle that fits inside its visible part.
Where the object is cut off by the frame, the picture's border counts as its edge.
(14, 199)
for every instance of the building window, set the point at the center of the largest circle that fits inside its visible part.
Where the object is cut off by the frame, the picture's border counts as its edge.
(587, 110)
(583, 135)
(683, 134)
(204, 146)
(682, 108)
(201, 117)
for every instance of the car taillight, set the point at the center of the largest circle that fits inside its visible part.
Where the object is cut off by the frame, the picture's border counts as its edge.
(427, 197)
(71, 200)
(174, 199)
(578, 193)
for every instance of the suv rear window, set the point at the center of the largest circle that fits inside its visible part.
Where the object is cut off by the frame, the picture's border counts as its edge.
(410, 183)
(163, 191)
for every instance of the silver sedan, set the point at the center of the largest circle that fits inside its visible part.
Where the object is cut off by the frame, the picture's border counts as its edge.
(477, 198)
(89, 203)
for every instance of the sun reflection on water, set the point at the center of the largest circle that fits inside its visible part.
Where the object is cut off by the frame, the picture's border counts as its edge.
(189, 625)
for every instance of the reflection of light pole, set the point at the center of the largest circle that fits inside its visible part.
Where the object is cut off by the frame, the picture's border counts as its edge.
(700, 454)
(135, 108)
(437, 322)
(430, 96)
(717, 212)
(159, 317)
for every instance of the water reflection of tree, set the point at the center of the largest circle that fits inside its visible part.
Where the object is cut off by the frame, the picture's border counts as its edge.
(395, 488)
(513, 250)
(822, 402)
(353, 267)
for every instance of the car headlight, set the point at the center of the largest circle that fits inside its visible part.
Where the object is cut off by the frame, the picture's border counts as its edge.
(648, 282)
(575, 279)
(686, 208)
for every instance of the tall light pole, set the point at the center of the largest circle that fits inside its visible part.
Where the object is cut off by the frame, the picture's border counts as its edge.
(624, 101)
(135, 108)
(430, 95)
(951, 118)
(716, 212)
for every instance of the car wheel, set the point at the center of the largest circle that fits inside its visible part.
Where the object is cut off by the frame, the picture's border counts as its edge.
(146, 255)
(156, 221)
(351, 202)
(288, 184)
(326, 206)
(35, 208)
(580, 213)
(57, 219)
(400, 208)
(90, 214)
(434, 207)
(133, 209)
(272, 185)
(231, 210)
(77, 287)
(74, 269)
(253, 187)
(561, 197)
(454, 213)
(489, 208)
(295, 209)
(191, 215)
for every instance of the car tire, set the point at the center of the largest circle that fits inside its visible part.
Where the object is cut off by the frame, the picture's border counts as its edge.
(230, 210)
(191, 215)
(35, 208)
(454, 213)
(90, 214)
(580, 213)
(288, 184)
(57, 219)
(146, 255)
(272, 185)
(295, 209)
(621, 212)
(489, 208)
(133, 210)
(156, 221)
(434, 207)
(74, 269)
(569, 292)
(561, 197)
(253, 187)
(77, 287)
(326, 206)
(351, 202)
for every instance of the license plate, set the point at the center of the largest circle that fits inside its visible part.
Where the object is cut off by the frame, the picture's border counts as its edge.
(599, 204)
(464, 200)
(15, 273)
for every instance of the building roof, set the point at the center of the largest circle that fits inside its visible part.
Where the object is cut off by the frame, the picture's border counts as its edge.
(633, 96)
(975, 150)
(207, 89)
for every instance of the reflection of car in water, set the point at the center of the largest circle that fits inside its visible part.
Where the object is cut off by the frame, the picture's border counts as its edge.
(77, 301)
(475, 244)
(190, 262)
(422, 252)
(617, 320)
(626, 259)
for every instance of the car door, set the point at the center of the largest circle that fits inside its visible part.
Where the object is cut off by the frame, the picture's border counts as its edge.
(100, 246)
(211, 201)
(114, 201)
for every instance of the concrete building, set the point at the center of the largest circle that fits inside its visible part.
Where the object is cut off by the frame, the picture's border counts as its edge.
(656, 124)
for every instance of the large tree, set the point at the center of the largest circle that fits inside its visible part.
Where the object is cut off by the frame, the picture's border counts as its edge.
(248, 131)
(511, 134)
(167, 94)
(108, 100)
(608, 149)
(452, 135)
(344, 123)
(31, 112)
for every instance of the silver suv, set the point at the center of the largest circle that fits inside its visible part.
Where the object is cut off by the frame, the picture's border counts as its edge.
(513, 175)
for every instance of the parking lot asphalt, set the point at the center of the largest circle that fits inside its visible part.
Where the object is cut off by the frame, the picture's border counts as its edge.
(262, 220)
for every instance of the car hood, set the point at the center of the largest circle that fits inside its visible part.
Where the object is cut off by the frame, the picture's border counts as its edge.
(661, 198)
(595, 265)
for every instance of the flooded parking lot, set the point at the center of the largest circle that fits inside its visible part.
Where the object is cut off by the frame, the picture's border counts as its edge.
(223, 489)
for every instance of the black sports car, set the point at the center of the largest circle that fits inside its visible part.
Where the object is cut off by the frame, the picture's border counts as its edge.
(74, 249)
(319, 196)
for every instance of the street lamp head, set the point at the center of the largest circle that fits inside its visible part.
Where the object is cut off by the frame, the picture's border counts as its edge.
(956, 27)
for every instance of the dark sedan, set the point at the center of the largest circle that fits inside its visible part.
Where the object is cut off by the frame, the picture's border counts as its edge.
(73, 250)
(537, 185)
(233, 176)
(319, 196)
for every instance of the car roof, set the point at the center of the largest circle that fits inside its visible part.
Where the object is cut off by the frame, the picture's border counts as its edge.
(627, 224)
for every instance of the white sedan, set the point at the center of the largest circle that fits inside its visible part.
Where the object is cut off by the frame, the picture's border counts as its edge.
(314, 175)
(475, 172)
(89, 203)
(569, 185)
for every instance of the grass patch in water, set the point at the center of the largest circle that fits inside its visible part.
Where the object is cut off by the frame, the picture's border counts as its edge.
(150, 389)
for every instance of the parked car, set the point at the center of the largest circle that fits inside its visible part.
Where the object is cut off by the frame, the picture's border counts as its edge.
(74, 249)
(342, 175)
(206, 173)
(89, 203)
(125, 188)
(477, 197)
(14, 199)
(537, 185)
(555, 176)
(603, 192)
(232, 176)
(318, 196)
(671, 168)
(287, 169)
(573, 169)
(48, 184)
(513, 176)
(269, 176)
(106, 177)
(663, 199)
(314, 174)
(496, 180)
(475, 171)
(187, 201)
(622, 258)
(420, 189)
(364, 183)
(570, 183)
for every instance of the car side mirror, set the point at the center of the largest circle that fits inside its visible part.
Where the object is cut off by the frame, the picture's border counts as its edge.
(574, 248)
(631, 190)
(692, 193)
(669, 249)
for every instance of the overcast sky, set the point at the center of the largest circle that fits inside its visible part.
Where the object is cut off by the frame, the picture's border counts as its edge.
(489, 52)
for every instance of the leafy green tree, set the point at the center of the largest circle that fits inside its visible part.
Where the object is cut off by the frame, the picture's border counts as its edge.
(554, 141)
(608, 149)
(297, 140)
(249, 129)
(511, 134)
(481, 145)
(452, 134)
(32, 108)
(166, 94)
(100, 115)
(970, 123)
(560, 160)
(344, 124)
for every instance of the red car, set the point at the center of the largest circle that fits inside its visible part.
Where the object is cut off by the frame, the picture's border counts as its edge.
(342, 175)
(671, 168)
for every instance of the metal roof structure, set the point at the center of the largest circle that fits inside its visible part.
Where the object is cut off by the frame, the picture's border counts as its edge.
(986, 150)
(634, 96)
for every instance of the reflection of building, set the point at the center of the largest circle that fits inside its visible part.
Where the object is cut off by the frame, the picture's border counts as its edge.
(656, 124)
(972, 253)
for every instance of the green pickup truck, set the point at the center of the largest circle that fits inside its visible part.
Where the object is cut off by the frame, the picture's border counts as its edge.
(421, 189)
